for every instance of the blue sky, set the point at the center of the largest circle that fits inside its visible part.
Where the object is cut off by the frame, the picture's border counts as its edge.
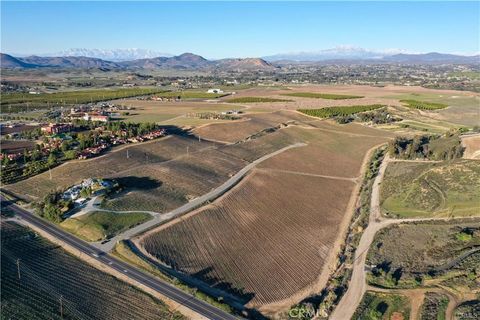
(239, 29)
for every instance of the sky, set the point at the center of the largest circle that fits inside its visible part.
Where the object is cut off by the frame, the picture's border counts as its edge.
(239, 29)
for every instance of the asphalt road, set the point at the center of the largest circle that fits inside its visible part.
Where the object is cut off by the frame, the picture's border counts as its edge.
(133, 273)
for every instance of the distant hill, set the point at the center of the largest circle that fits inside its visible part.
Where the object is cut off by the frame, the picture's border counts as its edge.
(190, 61)
(248, 64)
(183, 61)
(69, 62)
(115, 55)
(432, 57)
(7, 61)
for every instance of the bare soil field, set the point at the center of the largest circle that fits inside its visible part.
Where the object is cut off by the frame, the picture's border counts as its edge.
(15, 146)
(284, 218)
(265, 241)
(252, 123)
(472, 147)
(166, 112)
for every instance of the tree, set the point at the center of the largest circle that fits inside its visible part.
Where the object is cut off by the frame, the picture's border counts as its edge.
(52, 159)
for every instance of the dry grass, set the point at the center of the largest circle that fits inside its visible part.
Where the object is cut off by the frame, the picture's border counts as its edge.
(472, 147)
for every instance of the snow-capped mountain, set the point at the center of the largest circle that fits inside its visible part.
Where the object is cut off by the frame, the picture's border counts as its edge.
(110, 55)
(337, 53)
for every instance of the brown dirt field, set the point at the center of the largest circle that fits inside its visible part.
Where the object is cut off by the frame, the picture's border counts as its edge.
(472, 147)
(15, 146)
(327, 153)
(233, 132)
(269, 238)
(109, 164)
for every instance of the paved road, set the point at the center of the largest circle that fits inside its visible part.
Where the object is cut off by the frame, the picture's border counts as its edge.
(133, 273)
(195, 203)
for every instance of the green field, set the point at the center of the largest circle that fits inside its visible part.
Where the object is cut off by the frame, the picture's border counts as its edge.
(255, 100)
(385, 306)
(15, 102)
(100, 225)
(314, 95)
(329, 112)
(52, 280)
(191, 94)
(442, 189)
(423, 105)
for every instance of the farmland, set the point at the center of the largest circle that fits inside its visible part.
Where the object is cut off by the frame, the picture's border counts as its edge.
(99, 225)
(315, 95)
(434, 306)
(443, 189)
(15, 102)
(52, 280)
(423, 105)
(383, 306)
(255, 100)
(257, 214)
(14, 146)
(339, 111)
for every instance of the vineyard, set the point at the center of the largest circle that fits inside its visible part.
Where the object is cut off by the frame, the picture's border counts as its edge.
(329, 112)
(329, 96)
(17, 102)
(39, 280)
(255, 242)
(423, 105)
(113, 163)
(255, 100)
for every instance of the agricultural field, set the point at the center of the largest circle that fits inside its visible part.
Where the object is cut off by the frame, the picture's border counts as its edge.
(255, 100)
(15, 146)
(296, 232)
(423, 105)
(257, 214)
(445, 253)
(329, 112)
(52, 280)
(100, 225)
(15, 102)
(468, 310)
(383, 306)
(443, 189)
(315, 95)
(171, 113)
(112, 163)
(251, 124)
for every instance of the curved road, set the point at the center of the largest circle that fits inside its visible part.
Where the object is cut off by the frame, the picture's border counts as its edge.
(133, 273)
(195, 203)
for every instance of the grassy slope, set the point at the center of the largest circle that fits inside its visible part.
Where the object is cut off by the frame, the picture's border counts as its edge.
(431, 189)
(99, 225)
(48, 273)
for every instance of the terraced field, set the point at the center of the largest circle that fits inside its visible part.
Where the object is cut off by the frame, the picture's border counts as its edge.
(431, 189)
(55, 285)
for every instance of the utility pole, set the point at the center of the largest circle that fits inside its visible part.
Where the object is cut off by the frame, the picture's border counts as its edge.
(18, 268)
(187, 150)
(61, 306)
(128, 156)
(50, 172)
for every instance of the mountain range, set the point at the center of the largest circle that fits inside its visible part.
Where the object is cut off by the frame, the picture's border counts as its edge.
(190, 61)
